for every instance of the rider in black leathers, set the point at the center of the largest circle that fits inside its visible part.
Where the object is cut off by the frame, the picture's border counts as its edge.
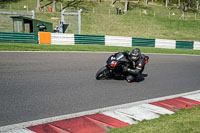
(137, 63)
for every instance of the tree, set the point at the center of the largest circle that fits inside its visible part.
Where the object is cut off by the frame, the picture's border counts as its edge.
(126, 6)
(38, 5)
(146, 2)
(113, 2)
(179, 3)
(188, 4)
(166, 3)
(197, 3)
(54, 6)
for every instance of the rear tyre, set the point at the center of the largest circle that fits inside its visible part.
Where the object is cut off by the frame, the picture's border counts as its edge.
(103, 73)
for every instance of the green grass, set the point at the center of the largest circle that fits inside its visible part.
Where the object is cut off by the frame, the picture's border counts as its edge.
(101, 19)
(183, 121)
(145, 26)
(93, 47)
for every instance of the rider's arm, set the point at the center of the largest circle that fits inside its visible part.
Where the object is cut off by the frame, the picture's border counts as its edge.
(134, 71)
(138, 68)
(126, 53)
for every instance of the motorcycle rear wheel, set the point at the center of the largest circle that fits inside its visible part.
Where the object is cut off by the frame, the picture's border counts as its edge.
(103, 73)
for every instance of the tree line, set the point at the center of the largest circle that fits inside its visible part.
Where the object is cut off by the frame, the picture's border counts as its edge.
(183, 4)
(53, 7)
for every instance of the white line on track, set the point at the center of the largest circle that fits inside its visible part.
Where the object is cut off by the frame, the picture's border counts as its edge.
(68, 116)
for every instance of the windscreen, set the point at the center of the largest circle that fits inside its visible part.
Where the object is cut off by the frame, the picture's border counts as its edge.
(119, 56)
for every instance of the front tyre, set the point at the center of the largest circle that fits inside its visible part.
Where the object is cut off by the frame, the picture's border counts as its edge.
(103, 73)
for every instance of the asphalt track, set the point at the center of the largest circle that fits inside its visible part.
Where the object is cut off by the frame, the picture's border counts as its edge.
(36, 85)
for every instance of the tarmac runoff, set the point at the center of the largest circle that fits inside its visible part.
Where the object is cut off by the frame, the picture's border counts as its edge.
(110, 117)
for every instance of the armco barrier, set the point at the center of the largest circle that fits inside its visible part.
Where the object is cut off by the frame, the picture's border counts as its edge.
(89, 39)
(118, 41)
(196, 45)
(18, 37)
(163, 43)
(184, 44)
(143, 42)
(62, 39)
(71, 39)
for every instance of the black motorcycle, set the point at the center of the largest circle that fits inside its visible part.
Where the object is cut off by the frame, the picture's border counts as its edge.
(114, 68)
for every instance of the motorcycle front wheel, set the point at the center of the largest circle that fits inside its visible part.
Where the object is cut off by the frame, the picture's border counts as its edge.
(103, 73)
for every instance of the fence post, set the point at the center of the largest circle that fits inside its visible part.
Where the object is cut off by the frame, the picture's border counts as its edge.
(62, 15)
(33, 14)
(195, 16)
(79, 21)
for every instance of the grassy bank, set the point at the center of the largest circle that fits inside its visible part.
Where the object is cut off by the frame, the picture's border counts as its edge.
(101, 19)
(183, 121)
(37, 47)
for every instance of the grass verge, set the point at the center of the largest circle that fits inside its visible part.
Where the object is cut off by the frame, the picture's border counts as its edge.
(183, 121)
(86, 47)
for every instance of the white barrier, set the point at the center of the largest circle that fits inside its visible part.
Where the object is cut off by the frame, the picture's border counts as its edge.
(62, 39)
(163, 43)
(196, 45)
(118, 41)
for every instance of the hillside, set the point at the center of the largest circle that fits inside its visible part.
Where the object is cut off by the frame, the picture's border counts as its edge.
(154, 21)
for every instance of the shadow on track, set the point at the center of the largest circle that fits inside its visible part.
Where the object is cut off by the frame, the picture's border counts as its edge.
(137, 79)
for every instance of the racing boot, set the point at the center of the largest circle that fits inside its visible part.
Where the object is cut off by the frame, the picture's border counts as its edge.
(129, 78)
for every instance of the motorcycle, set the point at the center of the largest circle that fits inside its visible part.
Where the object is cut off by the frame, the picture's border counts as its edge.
(115, 67)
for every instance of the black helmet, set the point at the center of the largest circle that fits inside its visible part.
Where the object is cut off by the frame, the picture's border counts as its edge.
(135, 55)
